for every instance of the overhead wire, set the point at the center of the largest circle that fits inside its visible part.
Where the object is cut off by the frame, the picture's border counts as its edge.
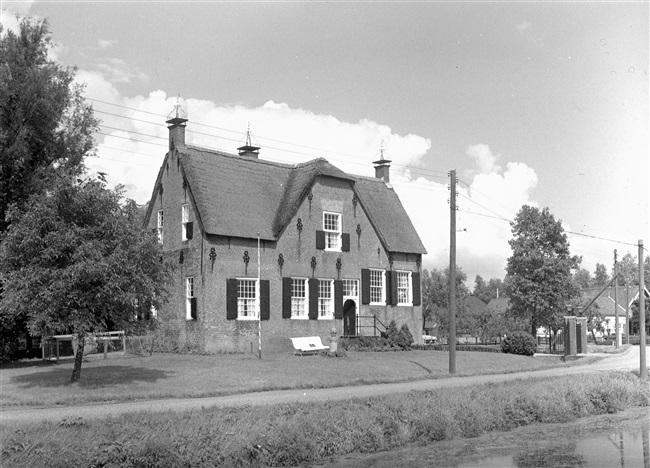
(413, 170)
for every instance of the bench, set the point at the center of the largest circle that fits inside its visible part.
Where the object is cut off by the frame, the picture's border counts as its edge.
(308, 345)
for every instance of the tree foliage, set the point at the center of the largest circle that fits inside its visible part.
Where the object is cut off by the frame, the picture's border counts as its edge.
(45, 125)
(490, 290)
(78, 261)
(540, 268)
(435, 298)
(601, 277)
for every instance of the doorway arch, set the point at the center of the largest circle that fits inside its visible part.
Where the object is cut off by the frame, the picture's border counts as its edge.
(350, 318)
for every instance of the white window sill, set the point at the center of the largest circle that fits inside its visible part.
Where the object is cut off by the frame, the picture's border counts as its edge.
(383, 303)
(326, 317)
(248, 319)
(405, 304)
(299, 317)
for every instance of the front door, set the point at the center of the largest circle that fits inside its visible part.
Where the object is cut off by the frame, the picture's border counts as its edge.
(350, 318)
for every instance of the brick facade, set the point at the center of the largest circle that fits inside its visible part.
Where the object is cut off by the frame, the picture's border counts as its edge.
(212, 259)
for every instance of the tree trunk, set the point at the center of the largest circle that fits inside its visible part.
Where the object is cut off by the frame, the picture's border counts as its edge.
(593, 335)
(78, 358)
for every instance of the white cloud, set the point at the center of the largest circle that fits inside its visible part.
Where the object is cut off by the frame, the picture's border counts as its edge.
(295, 135)
(524, 25)
(118, 71)
(8, 14)
(105, 44)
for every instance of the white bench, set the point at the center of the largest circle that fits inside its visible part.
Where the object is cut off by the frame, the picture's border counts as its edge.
(308, 345)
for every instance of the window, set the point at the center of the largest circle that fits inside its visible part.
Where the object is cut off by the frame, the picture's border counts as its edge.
(299, 298)
(160, 226)
(246, 299)
(332, 228)
(377, 290)
(404, 288)
(187, 230)
(350, 288)
(325, 299)
(190, 299)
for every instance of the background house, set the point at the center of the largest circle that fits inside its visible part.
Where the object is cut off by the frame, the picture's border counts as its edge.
(336, 250)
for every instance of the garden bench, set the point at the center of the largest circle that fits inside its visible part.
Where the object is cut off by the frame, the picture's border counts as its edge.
(308, 345)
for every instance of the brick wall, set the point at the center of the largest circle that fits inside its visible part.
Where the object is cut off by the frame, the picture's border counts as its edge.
(212, 332)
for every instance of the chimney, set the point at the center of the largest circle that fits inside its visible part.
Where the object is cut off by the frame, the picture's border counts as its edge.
(176, 128)
(176, 122)
(382, 166)
(248, 149)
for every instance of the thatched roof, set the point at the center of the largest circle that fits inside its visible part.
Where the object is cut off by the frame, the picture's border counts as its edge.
(239, 196)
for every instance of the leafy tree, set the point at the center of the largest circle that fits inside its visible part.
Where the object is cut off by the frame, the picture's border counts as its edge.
(78, 260)
(582, 278)
(435, 297)
(45, 128)
(487, 291)
(635, 321)
(601, 277)
(539, 270)
(628, 269)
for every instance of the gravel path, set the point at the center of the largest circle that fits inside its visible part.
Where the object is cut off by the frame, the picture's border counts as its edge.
(626, 361)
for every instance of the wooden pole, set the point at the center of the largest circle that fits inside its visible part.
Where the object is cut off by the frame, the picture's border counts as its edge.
(259, 299)
(627, 311)
(643, 370)
(452, 274)
(617, 335)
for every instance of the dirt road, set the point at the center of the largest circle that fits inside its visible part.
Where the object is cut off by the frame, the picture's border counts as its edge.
(626, 361)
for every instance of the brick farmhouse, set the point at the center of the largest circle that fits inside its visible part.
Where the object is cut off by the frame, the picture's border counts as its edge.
(336, 250)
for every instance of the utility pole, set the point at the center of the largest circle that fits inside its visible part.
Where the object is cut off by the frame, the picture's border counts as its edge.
(627, 311)
(643, 371)
(258, 291)
(618, 333)
(452, 274)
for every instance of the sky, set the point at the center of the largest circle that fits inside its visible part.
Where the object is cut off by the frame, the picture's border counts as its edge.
(537, 103)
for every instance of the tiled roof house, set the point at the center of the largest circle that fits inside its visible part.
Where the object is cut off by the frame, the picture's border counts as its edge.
(336, 250)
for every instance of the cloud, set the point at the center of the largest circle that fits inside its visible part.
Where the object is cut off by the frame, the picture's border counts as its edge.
(105, 44)
(8, 13)
(132, 156)
(118, 71)
(523, 26)
(484, 158)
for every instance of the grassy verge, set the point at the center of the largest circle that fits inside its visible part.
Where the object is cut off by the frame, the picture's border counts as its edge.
(128, 378)
(292, 434)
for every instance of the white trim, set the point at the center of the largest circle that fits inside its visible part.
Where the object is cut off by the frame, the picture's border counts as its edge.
(337, 233)
(189, 294)
(305, 316)
(332, 298)
(185, 218)
(256, 289)
(160, 225)
(383, 286)
(409, 288)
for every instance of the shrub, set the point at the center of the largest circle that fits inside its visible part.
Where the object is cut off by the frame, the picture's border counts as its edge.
(405, 337)
(519, 342)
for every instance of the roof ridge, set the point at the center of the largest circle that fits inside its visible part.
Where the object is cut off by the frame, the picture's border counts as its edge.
(237, 157)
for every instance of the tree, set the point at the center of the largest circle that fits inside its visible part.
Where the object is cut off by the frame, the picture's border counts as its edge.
(435, 297)
(635, 321)
(539, 270)
(582, 278)
(46, 128)
(601, 277)
(78, 260)
(487, 291)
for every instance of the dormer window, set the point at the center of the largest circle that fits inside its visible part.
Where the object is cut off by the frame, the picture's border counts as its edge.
(187, 227)
(332, 228)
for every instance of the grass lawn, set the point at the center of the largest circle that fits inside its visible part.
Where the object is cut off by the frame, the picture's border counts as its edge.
(122, 378)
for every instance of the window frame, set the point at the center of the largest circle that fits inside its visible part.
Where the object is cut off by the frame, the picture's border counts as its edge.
(408, 289)
(255, 300)
(304, 299)
(189, 295)
(329, 305)
(160, 226)
(333, 233)
(185, 219)
(382, 300)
